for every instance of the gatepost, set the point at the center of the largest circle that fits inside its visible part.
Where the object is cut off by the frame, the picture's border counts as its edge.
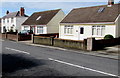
(32, 38)
(90, 44)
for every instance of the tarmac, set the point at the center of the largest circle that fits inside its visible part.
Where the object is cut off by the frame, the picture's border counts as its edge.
(108, 52)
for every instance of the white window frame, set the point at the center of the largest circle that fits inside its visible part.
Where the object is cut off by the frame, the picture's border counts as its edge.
(3, 21)
(68, 29)
(12, 20)
(40, 28)
(8, 20)
(98, 30)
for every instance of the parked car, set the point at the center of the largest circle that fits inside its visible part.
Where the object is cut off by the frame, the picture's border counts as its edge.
(26, 32)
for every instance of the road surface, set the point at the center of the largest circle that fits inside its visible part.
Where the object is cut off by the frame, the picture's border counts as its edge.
(20, 59)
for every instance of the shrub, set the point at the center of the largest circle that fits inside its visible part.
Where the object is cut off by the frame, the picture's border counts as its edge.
(108, 36)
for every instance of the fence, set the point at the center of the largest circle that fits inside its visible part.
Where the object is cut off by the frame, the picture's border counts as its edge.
(93, 44)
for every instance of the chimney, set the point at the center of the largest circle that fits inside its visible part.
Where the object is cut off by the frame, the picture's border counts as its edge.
(110, 3)
(22, 11)
(7, 12)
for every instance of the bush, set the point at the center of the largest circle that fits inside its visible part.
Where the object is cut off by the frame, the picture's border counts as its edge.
(108, 36)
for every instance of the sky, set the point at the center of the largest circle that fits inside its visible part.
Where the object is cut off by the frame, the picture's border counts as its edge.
(42, 5)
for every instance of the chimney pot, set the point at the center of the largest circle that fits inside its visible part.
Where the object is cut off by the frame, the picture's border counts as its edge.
(110, 3)
(7, 12)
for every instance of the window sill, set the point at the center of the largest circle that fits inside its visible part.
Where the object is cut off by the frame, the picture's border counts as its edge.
(68, 35)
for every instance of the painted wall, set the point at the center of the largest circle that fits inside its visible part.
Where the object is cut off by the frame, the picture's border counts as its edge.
(9, 24)
(19, 21)
(109, 29)
(117, 22)
(27, 27)
(53, 25)
(16, 24)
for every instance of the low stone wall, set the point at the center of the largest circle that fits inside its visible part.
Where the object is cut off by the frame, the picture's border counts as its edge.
(3, 36)
(15, 37)
(43, 40)
(12, 37)
(70, 43)
(60, 42)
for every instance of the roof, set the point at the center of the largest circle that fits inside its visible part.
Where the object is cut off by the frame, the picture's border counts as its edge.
(41, 18)
(93, 14)
(0, 20)
(13, 14)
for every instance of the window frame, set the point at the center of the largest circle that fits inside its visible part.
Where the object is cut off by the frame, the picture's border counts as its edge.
(42, 28)
(68, 29)
(97, 30)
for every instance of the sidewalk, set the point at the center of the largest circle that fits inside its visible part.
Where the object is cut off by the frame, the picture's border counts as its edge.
(108, 52)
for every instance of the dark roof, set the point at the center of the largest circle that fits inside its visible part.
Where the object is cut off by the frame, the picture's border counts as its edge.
(46, 16)
(13, 14)
(92, 15)
(0, 20)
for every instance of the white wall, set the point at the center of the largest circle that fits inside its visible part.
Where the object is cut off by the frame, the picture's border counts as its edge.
(53, 25)
(109, 29)
(9, 24)
(118, 26)
(19, 21)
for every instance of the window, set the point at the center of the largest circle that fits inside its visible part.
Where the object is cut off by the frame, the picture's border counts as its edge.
(101, 9)
(40, 30)
(38, 18)
(26, 28)
(98, 30)
(12, 20)
(3, 20)
(68, 29)
(81, 30)
(8, 20)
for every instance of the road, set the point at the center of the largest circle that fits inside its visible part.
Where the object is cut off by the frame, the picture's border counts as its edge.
(20, 59)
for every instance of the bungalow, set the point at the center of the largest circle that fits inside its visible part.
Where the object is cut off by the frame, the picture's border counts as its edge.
(12, 21)
(96, 21)
(44, 22)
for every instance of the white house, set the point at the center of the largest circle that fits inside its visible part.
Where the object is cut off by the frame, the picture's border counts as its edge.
(96, 21)
(44, 22)
(13, 20)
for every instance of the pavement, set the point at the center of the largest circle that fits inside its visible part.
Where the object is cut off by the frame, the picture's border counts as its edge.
(108, 52)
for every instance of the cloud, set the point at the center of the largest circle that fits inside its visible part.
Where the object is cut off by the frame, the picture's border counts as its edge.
(57, 0)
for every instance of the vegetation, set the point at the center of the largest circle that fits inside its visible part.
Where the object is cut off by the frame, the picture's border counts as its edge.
(109, 36)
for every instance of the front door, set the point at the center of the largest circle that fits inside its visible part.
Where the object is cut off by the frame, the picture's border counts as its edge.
(33, 29)
(81, 33)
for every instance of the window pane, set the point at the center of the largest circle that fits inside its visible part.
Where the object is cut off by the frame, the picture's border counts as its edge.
(68, 29)
(40, 30)
(102, 31)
